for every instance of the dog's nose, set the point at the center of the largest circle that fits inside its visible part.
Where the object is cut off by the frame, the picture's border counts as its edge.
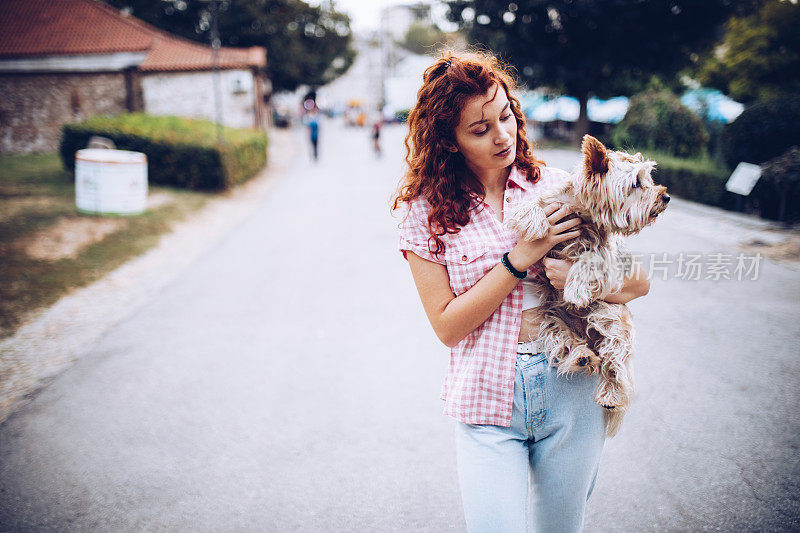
(665, 198)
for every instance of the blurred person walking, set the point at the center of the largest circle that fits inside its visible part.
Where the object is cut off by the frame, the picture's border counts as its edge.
(311, 119)
(377, 124)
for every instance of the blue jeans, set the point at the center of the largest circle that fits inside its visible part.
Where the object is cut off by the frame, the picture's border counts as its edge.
(552, 447)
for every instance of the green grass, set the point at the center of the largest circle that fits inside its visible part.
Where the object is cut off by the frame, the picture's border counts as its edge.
(35, 193)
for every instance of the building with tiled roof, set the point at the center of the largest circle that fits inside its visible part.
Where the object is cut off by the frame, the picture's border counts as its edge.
(63, 60)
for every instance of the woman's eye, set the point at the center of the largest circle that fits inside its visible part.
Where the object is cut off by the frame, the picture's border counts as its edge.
(487, 128)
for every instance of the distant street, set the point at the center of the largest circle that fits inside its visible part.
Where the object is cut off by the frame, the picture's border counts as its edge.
(289, 381)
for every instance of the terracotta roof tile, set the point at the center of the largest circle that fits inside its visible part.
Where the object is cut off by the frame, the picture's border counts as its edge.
(30, 28)
(171, 53)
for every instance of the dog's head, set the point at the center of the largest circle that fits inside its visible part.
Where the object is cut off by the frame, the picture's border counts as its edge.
(616, 190)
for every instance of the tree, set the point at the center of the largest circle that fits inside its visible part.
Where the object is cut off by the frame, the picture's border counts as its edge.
(421, 38)
(305, 44)
(759, 56)
(601, 47)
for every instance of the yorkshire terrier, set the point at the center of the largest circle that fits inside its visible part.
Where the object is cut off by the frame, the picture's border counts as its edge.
(614, 194)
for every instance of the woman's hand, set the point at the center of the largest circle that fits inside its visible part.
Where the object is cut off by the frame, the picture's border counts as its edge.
(635, 284)
(556, 271)
(526, 252)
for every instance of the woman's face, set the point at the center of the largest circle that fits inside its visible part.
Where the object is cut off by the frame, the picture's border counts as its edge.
(487, 133)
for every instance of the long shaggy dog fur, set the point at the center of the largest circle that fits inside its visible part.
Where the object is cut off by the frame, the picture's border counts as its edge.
(614, 194)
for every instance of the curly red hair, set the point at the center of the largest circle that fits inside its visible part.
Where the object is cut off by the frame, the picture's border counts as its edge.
(435, 173)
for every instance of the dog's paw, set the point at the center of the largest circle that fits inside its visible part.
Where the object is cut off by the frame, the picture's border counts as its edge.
(578, 294)
(610, 396)
(529, 219)
(580, 359)
(588, 360)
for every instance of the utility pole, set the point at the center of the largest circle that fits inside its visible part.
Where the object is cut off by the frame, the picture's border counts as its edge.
(215, 44)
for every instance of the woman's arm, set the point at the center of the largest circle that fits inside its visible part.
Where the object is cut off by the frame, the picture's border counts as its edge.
(635, 284)
(455, 317)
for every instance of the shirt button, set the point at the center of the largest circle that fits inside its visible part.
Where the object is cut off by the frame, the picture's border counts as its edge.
(463, 257)
(508, 199)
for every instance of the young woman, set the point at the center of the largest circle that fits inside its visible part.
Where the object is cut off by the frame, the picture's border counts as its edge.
(528, 442)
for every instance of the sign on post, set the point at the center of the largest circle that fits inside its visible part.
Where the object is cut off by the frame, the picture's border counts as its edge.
(743, 179)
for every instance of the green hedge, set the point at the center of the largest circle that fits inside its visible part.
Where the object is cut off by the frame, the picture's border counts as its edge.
(698, 179)
(776, 194)
(181, 152)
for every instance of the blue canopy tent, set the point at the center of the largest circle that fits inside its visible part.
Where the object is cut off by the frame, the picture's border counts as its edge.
(567, 108)
(713, 103)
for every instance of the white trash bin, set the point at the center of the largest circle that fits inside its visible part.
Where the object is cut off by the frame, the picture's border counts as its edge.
(110, 182)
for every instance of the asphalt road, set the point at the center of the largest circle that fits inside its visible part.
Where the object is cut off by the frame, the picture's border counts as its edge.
(289, 381)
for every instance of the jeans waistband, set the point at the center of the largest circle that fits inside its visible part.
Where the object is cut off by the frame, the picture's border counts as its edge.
(524, 359)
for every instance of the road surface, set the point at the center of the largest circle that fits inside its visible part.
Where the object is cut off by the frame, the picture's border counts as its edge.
(289, 381)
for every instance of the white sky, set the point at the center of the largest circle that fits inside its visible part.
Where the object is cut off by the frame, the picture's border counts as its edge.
(365, 14)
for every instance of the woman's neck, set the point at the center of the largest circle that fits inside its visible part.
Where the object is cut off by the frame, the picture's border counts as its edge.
(494, 180)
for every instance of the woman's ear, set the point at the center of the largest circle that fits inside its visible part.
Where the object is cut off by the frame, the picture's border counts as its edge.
(450, 147)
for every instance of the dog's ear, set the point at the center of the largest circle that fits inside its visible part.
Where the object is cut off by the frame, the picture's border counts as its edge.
(595, 156)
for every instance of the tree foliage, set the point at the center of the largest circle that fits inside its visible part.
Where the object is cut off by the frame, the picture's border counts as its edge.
(759, 56)
(305, 44)
(601, 47)
(422, 38)
(764, 130)
(656, 120)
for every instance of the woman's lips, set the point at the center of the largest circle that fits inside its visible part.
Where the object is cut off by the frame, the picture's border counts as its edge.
(504, 152)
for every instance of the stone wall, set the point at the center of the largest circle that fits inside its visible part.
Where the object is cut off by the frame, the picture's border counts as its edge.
(191, 94)
(34, 106)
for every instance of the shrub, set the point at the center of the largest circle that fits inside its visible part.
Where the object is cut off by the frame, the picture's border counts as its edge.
(181, 152)
(656, 120)
(763, 131)
(778, 189)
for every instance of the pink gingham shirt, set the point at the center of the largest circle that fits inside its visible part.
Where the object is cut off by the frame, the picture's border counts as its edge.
(479, 385)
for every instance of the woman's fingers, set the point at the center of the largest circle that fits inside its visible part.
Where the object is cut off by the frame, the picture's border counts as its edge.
(567, 224)
(560, 213)
(567, 236)
(551, 208)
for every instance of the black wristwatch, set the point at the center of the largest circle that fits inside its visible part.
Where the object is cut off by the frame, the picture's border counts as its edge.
(514, 272)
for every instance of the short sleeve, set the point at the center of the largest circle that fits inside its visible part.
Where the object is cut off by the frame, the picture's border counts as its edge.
(414, 234)
(554, 177)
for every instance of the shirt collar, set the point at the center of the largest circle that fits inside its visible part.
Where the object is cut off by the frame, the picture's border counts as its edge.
(518, 178)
